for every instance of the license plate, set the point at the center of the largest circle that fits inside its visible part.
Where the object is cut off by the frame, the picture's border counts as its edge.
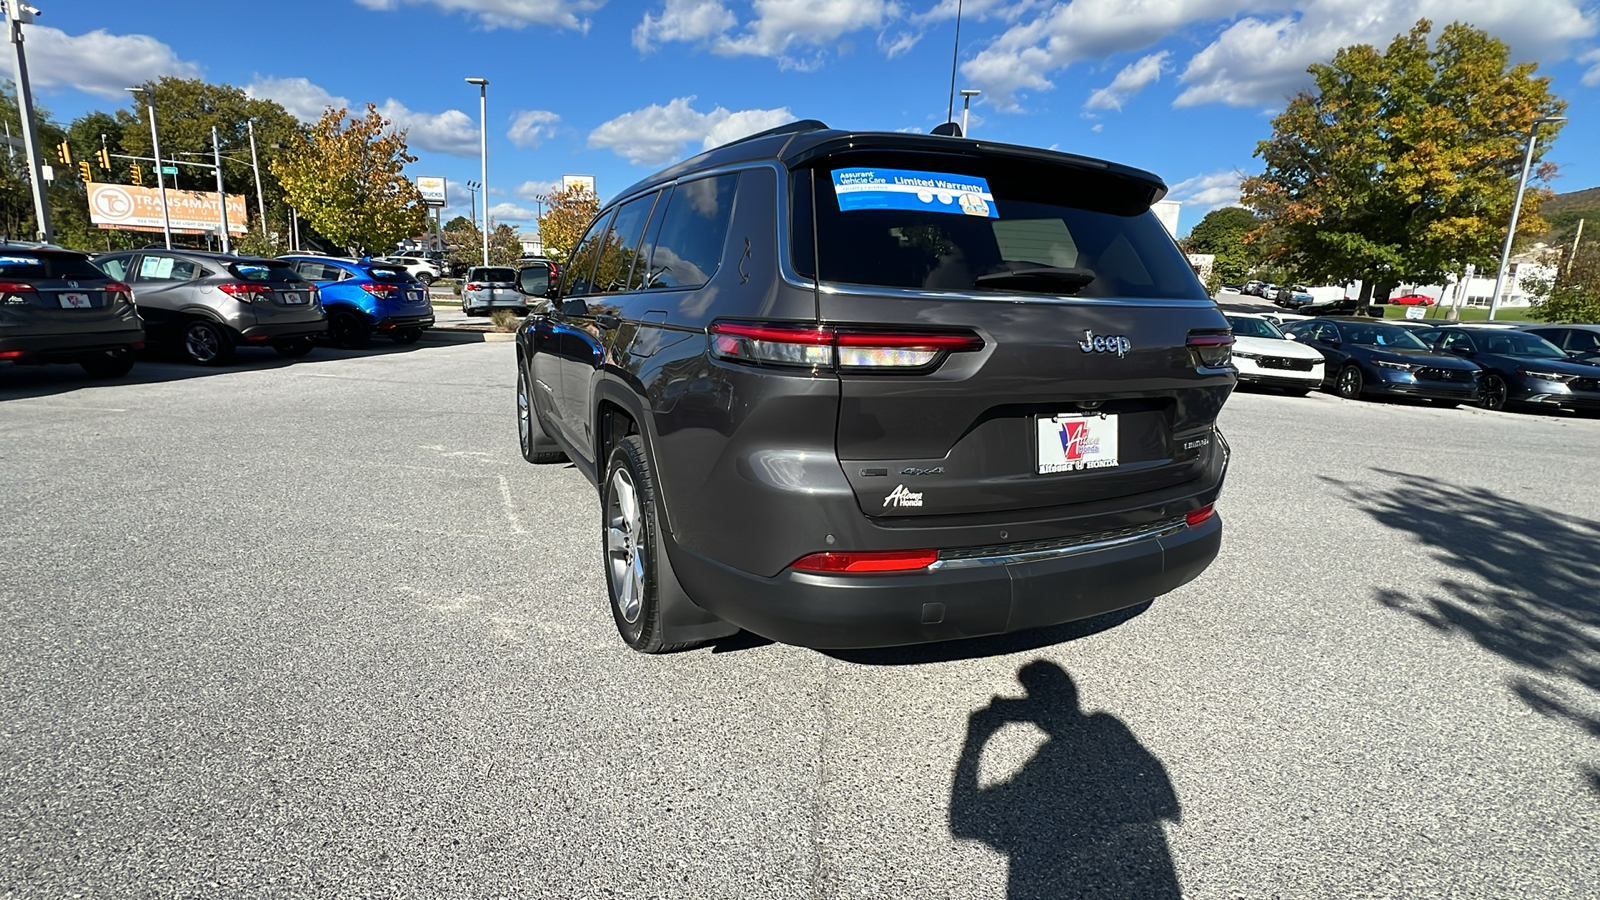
(293, 297)
(417, 296)
(1073, 442)
(74, 301)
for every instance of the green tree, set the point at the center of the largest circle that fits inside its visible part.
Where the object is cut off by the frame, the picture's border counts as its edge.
(463, 242)
(1573, 295)
(504, 246)
(1402, 165)
(346, 180)
(1224, 233)
(566, 215)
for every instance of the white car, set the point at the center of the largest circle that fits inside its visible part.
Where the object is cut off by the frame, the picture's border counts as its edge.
(421, 268)
(1264, 356)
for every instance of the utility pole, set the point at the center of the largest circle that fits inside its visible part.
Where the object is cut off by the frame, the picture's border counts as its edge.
(1575, 241)
(222, 196)
(155, 148)
(255, 165)
(1516, 210)
(17, 15)
(483, 149)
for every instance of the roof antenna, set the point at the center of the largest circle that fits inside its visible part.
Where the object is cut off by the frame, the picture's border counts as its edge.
(955, 57)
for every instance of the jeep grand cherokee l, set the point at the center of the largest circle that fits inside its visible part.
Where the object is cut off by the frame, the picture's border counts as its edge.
(55, 307)
(862, 389)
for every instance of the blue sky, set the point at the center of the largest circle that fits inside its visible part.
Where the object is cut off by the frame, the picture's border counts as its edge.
(614, 89)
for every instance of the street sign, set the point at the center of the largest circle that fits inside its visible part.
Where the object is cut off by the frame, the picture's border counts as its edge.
(432, 188)
(169, 170)
(1415, 312)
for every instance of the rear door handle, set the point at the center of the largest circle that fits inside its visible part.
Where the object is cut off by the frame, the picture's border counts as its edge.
(607, 320)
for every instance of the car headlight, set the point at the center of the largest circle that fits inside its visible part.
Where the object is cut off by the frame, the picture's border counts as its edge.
(1385, 364)
(1546, 376)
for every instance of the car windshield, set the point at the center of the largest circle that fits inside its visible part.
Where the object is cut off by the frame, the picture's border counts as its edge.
(496, 275)
(264, 270)
(22, 266)
(958, 223)
(1517, 343)
(1386, 336)
(1244, 326)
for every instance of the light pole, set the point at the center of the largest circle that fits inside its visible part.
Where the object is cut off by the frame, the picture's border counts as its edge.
(222, 195)
(1516, 210)
(966, 102)
(483, 149)
(155, 148)
(17, 15)
(472, 201)
(255, 165)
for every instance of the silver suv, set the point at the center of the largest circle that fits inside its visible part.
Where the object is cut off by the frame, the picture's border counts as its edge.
(489, 288)
(208, 304)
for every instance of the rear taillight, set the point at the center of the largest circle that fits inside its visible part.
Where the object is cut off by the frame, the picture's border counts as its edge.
(836, 561)
(1211, 350)
(826, 346)
(381, 291)
(474, 286)
(244, 292)
(116, 288)
(1197, 516)
(15, 287)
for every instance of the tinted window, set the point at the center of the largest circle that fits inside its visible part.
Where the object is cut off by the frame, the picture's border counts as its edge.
(1583, 341)
(1517, 343)
(687, 247)
(1248, 327)
(264, 270)
(615, 270)
(30, 264)
(316, 271)
(165, 268)
(578, 279)
(389, 273)
(1453, 341)
(945, 223)
(493, 275)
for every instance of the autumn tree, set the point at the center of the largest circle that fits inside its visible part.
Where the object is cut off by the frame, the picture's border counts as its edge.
(567, 213)
(1402, 165)
(1223, 233)
(1573, 295)
(346, 180)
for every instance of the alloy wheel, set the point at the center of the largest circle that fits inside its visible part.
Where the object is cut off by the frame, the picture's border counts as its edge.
(1494, 392)
(524, 413)
(624, 555)
(202, 342)
(1350, 383)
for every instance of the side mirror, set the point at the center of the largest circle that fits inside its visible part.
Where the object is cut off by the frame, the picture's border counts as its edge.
(1291, 336)
(534, 281)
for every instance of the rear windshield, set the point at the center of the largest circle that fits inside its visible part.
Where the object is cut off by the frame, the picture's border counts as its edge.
(264, 270)
(935, 222)
(388, 273)
(495, 275)
(47, 265)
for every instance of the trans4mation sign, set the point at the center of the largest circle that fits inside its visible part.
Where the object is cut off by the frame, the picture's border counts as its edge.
(907, 189)
(1072, 443)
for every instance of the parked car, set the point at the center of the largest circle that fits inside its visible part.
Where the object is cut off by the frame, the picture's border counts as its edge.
(1253, 288)
(1365, 358)
(208, 304)
(1520, 368)
(1413, 300)
(1579, 342)
(1264, 356)
(842, 412)
(1345, 306)
(1293, 298)
(365, 297)
(56, 307)
(1282, 319)
(488, 288)
(423, 268)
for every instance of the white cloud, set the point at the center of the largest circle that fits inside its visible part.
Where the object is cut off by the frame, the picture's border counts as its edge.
(507, 13)
(899, 44)
(452, 132)
(1133, 78)
(99, 62)
(1098, 127)
(530, 127)
(304, 100)
(797, 33)
(533, 190)
(1208, 192)
(657, 135)
(510, 212)
(1591, 78)
(683, 20)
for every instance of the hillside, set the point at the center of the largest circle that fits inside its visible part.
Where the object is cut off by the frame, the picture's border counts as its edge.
(1564, 210)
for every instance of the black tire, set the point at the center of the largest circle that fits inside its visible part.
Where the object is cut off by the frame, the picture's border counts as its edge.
(294, 349)
(629, 546)
(537, 447)
(110, 364)
(347, 330)
(205, 343)
(1494, 393)
(1296, 391)
(426, 279)
(1350, 382)
(406, 335)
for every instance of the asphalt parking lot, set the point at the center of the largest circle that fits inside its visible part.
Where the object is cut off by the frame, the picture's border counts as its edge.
(316, 629)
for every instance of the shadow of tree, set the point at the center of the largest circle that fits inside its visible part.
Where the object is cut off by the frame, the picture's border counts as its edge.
(1525, 583)
(1083, 817)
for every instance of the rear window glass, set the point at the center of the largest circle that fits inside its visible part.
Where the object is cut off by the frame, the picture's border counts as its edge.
(929, 222)
(495, 275)
(47, 265)
(264, 271)
(686, 248)
(388, 273)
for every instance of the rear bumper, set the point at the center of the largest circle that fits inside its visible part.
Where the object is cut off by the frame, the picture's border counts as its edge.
(398, 323)
(69, 347)
(257, 334)
(956, 598)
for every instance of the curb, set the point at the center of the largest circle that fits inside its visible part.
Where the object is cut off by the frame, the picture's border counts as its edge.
(463, 336)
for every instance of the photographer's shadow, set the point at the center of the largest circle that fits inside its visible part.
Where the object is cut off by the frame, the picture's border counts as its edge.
(1083, 818)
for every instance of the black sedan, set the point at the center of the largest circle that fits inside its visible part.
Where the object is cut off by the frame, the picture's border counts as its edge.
(1366, 357)
(1581, 342)
(1521, 368)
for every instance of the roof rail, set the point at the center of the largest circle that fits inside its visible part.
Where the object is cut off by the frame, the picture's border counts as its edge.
(787, 128)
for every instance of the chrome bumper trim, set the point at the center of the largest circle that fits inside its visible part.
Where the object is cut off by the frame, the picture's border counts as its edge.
(1163, 530)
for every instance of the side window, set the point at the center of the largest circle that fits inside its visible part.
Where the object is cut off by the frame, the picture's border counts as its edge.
(165, 268)
(115, 269)
(621, 246)
(1456, 342)
(1326, 333)
(579, 278)
(688, 246)
(1582, 341)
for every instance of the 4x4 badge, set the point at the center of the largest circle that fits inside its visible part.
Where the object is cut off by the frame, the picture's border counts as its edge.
(1115, 343)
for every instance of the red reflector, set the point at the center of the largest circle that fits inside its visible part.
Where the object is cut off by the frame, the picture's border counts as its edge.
(10, 354)
(14, 287)
(864, 561)
(1210, 340)
(1200, 515)
(258, 337)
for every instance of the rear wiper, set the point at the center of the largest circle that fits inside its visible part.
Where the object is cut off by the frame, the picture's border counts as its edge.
(1038, 278)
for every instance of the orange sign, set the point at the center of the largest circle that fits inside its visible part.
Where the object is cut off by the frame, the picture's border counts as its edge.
(139, 209)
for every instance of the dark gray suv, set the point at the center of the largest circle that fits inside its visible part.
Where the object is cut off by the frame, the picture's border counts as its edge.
(57, 307)
(866, 389)
(208, 304)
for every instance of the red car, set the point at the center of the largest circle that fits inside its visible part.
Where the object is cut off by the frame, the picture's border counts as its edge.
(1413, 300)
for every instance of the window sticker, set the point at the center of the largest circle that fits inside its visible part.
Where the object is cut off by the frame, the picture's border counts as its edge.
(18, 261)
(907, 189)
(156, 267)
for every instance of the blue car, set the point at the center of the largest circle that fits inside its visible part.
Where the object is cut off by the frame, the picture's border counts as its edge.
(1521, 368)
(1366, 357)
(363, 298)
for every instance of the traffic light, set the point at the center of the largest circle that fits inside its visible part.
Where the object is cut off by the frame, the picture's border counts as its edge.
(84, 171)
(64, 152)
(104, 156)
(136, 173)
